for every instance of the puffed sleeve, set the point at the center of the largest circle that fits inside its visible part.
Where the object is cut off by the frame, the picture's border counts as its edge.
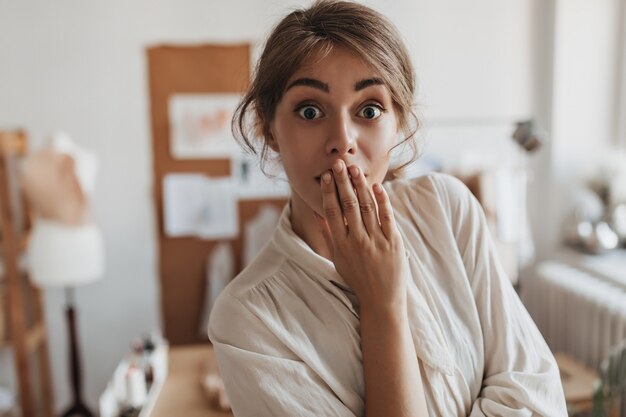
(261, 376)
(521, 377)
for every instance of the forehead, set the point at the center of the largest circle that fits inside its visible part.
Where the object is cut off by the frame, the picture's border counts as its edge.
(336, 64)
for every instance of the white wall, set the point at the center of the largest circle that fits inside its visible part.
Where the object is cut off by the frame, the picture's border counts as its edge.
(620, 122)
(583, 111)
(585, 80)
(80, 66)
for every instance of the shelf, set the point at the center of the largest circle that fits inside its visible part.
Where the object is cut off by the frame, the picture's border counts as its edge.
(22, 264)
(23, 243)
(4, 316)
(12, 144)
(4, 343)
(25, 319)
(110, 401)
(35, 336)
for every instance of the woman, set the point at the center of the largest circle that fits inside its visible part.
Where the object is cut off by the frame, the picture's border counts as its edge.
(383, 301)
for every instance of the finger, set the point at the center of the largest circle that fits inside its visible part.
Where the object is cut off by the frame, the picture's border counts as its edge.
(385, 212)
(328, 237)
(347, 197)
(332, 209)
(367, 205)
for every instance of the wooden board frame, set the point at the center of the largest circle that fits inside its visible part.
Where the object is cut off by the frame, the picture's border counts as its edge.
(182, 261)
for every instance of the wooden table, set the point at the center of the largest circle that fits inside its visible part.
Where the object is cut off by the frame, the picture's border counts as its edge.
(182, 393)
(577, 382)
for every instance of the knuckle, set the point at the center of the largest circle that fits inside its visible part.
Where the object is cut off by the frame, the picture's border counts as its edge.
(367, 208)
(349, 204)
(357, 239)
(332, 211)
(387, 216)
(361, 240)
(395, 241)
(383, 247)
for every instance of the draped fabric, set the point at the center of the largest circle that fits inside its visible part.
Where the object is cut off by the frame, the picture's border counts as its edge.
(286, 330)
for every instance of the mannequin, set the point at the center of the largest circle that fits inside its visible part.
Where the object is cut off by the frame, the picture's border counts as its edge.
(66, 247)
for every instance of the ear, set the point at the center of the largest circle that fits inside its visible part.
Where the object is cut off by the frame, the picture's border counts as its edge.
(270, 138)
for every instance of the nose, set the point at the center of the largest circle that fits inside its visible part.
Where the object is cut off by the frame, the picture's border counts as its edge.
(342, 135)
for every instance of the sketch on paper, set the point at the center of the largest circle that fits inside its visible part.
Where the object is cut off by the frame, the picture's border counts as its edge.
(252, 183)
(196, 205)
(200, 125)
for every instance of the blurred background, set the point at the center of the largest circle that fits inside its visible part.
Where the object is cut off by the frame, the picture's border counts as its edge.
(525, 100)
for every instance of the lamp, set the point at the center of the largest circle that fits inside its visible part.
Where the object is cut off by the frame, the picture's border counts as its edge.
(66, 247)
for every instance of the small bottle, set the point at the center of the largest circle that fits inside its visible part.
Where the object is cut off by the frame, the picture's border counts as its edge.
(148, 351)
(130, 412)
(140, 358)
(136, 390)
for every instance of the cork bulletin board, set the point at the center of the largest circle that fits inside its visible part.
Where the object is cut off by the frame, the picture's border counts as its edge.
(182, 261)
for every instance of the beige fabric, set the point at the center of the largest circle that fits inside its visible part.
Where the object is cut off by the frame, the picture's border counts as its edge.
(52, 188)
(286, 330)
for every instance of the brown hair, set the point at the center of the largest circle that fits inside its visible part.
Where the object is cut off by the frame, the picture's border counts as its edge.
(324, 25)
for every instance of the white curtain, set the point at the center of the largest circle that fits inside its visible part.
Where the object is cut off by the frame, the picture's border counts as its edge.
(621, 102)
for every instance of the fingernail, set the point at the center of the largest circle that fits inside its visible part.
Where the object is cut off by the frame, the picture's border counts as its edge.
(326, 177)
(338, 166)
(377, 188)
(354, 171)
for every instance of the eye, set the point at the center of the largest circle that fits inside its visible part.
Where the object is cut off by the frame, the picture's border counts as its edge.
(309, 112)
(371, 112)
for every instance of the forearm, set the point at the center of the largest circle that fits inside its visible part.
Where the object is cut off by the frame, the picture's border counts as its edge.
(393, 383)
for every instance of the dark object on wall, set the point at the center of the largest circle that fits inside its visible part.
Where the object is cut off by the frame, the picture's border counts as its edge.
(527, 134)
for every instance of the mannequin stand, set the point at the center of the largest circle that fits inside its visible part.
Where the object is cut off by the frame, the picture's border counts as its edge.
(78, 407)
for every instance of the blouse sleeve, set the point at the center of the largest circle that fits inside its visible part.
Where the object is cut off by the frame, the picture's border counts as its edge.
(521, 377)
(261, 377)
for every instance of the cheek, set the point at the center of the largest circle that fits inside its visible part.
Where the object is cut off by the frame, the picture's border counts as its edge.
(296, 153)
(297, 142)
(386, 138)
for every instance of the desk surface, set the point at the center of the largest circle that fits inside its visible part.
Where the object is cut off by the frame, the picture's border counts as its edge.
(577, 381)
(182, 393)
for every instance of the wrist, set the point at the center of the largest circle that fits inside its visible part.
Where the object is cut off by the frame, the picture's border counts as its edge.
(384, 314)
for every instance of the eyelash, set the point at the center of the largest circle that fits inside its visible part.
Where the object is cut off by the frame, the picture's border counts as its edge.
(378, 106)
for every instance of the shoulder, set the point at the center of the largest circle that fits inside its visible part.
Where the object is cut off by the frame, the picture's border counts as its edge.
(433, 190)
(268, 263)
(232, 312)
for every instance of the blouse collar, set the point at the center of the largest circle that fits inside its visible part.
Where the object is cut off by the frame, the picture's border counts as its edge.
(293, 247)
(430, 343)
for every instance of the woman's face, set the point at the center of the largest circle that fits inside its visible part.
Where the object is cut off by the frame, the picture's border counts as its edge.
(333, 108)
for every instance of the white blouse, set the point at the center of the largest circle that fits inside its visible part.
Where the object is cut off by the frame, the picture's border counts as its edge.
(286, 330)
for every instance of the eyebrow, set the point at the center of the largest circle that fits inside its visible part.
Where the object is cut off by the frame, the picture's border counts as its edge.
(309, 82)
(367, 83)
(312, 82)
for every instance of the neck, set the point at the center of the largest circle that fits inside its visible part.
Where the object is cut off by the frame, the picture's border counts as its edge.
(305, 226)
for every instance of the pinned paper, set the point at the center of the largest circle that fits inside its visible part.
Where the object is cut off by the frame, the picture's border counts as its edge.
(220, 270)
(200, 125)
(258, 231)
(254, 184)
(196, 205)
